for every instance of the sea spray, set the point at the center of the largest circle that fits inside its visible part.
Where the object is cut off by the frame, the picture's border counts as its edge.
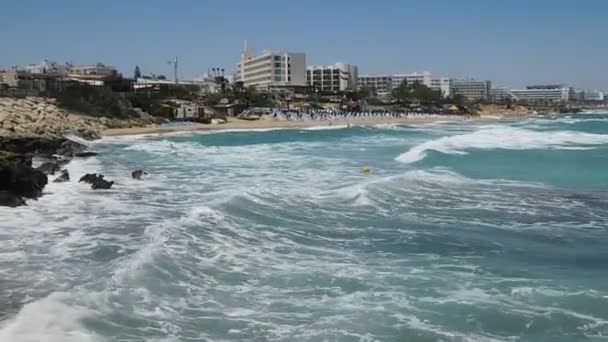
(509, 138)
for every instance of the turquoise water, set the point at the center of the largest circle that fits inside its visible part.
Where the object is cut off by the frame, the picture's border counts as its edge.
(474, 231)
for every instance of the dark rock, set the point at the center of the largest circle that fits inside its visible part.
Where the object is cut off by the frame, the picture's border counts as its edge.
(9, 199)
(90, 178)
(101, 184)
(96, 181)
(21, 180)
(42, 146)
(65, 177)
(49, 168)
(70, 148)
(20, 158)
(137, 174)
(85, 154)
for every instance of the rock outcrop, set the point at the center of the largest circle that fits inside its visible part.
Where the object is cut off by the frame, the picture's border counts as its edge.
(19, 180)
(64, 177)
(9, 199)
(43, 146)
(503, 110)
(138, 174)
(96, 181)
(102, 184)
(49, 168)
(90, 178)
(36, 126)
(38, 116)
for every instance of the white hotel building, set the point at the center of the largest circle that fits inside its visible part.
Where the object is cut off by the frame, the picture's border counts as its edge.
(381, 85)
(544, 93)
(332, 78)
(443, 85)
(385, 84)
(271, 69)
(422, 78)
(472, 90)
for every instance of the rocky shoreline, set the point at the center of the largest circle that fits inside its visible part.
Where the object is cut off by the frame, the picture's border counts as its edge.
(35, 127)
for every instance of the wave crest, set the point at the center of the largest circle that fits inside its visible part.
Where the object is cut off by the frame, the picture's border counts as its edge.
(510, 138)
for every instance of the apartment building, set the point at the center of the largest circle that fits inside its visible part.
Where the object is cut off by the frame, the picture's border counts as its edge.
(332, 78)
(472, 90)
(544, 93)
(442, 85)
(422, 78)
(271, 69)
(501, 94)
(381, 85)
(98, 70)
(45, 67)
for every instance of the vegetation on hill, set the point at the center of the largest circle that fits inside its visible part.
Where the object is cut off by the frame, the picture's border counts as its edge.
(416, 92)
(95, 101)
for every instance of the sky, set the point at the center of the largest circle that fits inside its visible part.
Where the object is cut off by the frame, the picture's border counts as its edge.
(511, 42)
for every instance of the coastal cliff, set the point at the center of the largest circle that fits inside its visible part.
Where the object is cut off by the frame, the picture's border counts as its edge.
(38, 116)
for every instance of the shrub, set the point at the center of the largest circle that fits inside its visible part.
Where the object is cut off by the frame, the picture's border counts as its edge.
(95, 101)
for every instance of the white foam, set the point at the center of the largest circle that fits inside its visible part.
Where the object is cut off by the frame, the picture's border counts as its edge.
(239, 130)
(324, 128)
(564, 120)
(503, 138)
(164, 147)
(77, 139)
(49, 320)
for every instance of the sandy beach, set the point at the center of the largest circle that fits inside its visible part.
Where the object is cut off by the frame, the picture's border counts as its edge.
(234, 123)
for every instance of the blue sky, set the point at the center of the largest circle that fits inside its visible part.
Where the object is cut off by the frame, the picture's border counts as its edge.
(511, 42)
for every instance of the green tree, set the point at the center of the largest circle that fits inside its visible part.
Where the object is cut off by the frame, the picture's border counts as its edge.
(363, 93)
(137, 73)
(416, 92)
(509, 102)
(403, 93)
(424, 94)
(238, 90)
(458, 100)
(253, 98)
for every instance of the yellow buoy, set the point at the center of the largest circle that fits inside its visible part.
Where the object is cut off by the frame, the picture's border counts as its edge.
(366, 169)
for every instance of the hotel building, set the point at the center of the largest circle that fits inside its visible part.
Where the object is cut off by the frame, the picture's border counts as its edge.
(381, 85)
(332, 78)
(544, 93)
(472, 90)
(442, 84)
(422, 78)
(271, 69)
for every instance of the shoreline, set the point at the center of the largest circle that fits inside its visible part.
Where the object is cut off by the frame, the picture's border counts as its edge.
(238, 124)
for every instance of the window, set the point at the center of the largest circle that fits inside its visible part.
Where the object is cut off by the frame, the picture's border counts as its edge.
(277, 78)
(277, 65)
(277, 58)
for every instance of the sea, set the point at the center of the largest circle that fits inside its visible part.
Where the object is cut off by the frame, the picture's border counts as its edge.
(493, 230)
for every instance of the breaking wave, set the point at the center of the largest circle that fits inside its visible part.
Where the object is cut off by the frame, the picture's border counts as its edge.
(508, 138)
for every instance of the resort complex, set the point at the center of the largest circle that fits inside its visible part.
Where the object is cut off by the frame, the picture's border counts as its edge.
(283, 79)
